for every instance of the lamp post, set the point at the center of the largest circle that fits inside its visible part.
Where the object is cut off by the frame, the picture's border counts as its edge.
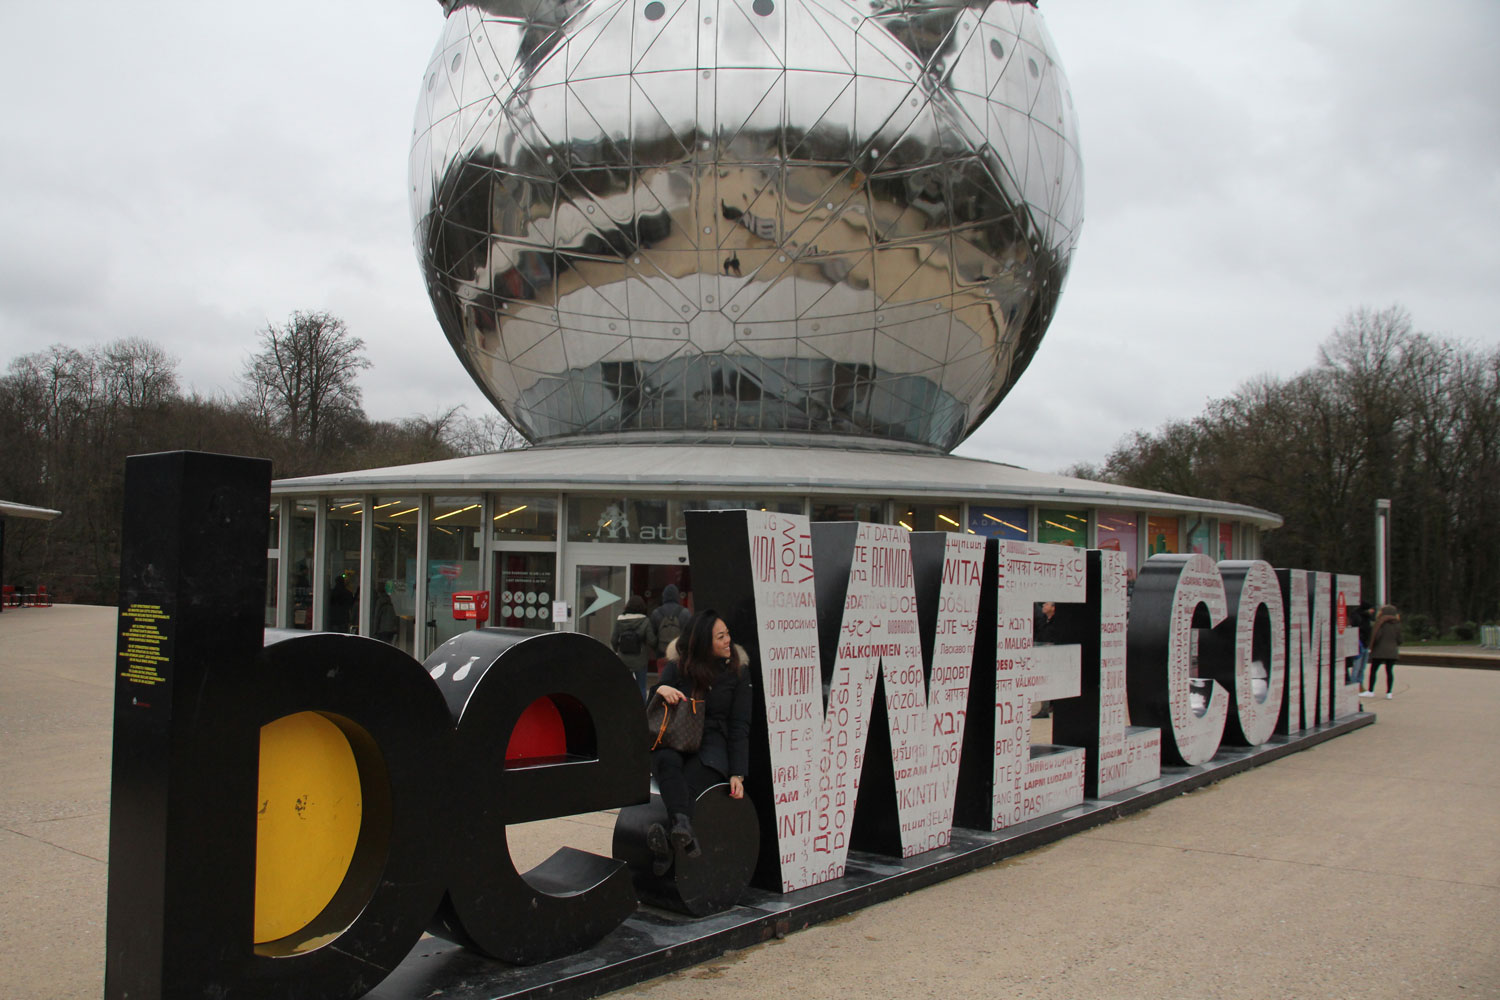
(1382, 552)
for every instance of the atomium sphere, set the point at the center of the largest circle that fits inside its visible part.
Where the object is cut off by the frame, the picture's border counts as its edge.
(766, 217)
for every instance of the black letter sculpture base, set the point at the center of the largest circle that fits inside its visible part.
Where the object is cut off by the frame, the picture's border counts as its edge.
(729, 836)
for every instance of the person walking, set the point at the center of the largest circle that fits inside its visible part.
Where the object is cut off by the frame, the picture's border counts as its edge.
(1385, 646)
(633, 639)
(340, 605)
(384, 621)
(669, 619)
(1363, 618)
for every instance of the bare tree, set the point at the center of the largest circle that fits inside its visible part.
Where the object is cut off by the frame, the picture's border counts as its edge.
(137, 374)
(489, 434)
(303, 377)
(1386, 412)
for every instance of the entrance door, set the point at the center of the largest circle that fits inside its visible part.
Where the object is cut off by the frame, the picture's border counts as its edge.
(604, 578)
(600, 593)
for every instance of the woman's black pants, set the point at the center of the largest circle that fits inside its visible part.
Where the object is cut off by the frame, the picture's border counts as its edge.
(1390, 674)
(681, 778)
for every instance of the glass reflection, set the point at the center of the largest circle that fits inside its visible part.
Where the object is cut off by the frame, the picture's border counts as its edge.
(619, 234)
(393, 563)
(999, 522)
(453, 535)
(341, 559)
(1062, 527)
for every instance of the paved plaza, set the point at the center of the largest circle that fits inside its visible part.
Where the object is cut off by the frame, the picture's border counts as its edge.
(1367, 866)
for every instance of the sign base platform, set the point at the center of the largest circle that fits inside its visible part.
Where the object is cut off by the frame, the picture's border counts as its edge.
(655, 942)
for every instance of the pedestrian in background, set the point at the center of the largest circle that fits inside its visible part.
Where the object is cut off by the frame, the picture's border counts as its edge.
(634, 639)
(1385, 646)
(1363, 619)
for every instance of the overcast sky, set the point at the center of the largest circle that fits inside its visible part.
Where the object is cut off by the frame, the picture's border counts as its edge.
(188, 172)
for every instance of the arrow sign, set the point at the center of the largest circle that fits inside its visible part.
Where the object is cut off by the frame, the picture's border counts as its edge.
(602, 599)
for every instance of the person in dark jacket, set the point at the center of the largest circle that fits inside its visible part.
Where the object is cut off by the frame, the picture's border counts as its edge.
(340, 604)
(1362, 618)
(669, 619)
(634, 639)
(1385, 646)
(383, 620)
(702, 664)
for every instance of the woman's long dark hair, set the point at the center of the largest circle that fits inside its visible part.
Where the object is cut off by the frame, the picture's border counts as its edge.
(698, 661)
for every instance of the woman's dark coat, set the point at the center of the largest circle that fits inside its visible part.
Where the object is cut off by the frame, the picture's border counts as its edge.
(1386, 644)
(726, 730)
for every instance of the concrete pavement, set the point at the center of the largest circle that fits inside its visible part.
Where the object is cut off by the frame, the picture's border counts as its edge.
(1368, 866)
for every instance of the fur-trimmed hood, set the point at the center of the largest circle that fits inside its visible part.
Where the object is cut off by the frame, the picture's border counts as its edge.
(742, 658)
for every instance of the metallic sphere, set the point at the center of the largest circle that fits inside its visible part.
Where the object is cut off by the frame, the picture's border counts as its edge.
(762, 216)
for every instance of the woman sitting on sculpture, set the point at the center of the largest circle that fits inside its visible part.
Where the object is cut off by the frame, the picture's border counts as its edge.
(702, 664)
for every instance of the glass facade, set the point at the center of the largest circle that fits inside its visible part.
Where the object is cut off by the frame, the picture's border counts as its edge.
(1198, 538)
(507, 543)
(342, 543)
(273, 564)
(1120, 530)
(1162, 535)
(1062, 527)
(928, 517)
(393, 594)
(453, 536)
(1000, 522)
(652, 519)
(524, 519)
(869, 511)
(300, 560)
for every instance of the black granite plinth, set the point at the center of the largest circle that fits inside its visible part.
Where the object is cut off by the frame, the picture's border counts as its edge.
(654, 942)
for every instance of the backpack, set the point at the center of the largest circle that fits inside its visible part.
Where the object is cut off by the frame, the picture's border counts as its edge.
(629, 641)
(670, 629)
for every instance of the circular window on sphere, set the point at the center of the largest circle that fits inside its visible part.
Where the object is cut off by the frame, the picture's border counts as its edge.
(1031, 64)
(996, 49)
(763, 7)
(654, 10)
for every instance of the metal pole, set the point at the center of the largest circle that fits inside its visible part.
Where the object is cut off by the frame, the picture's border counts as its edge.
(1382, 552)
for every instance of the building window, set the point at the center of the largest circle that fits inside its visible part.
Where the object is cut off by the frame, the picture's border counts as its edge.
(1162, 535)
(603, 519)
(341, 554)
(300, 559)
(393, 567)
(453, 535)
(273, 561)
(1000, 522)
(868, 511)
(1226, 540)
(652, 519)
(524, 519)
(1120, 531)
(1198, 537)
(928, 516)
(1062, 527)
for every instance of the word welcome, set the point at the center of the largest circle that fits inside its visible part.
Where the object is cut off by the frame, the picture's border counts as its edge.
(894, 678)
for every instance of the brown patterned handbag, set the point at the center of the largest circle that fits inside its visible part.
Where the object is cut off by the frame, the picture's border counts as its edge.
(678, 727)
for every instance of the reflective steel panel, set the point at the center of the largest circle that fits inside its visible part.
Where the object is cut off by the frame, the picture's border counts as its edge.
(745, 215)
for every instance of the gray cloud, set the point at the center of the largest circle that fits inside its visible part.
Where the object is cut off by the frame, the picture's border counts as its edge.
(189, 172)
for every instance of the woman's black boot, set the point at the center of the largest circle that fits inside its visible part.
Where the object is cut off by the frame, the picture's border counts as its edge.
(661, 850)
(682, 835)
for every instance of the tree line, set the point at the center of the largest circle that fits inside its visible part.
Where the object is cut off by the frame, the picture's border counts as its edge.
(72, 416)
(1387, 412)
